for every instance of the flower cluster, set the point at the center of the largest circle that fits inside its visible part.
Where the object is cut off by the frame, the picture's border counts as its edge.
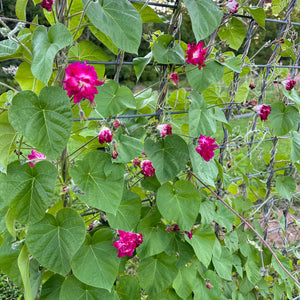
(206, 147)
(289, 84)
(105, 135)
(164, 129)
(263, 111)
(36, 156)
(147, 168)
(136, 162)
(11, 70)
(195, 55)
(232, 6)
(127, 243)
(174, 76)
(80, 81)
(47, 4)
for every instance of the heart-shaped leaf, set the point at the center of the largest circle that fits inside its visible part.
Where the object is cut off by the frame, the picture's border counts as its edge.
(53, 241)
(45, 44)
(28, 191)
(179, 203)
(97, 256)
(45, 120)
(100, 180)
(117, 19)
(168, 156)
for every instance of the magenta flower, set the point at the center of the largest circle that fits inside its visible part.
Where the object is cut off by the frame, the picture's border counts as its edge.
(232, 6)
(189, 234)
(263, 111)
(36, 156)
(47, 4)
(208, 285)
(136, 162)
(105, 135)
(164, 129)
(206, 147)
(174, 76)
(127, 243)
(195, 54)
(252, 85)
(115, 154)
(289, 84)
(80, 81)
(147, 168)
(116, 124)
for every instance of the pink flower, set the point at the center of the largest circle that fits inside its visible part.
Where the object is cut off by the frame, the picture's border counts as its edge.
(232, 6)
(80, 81)
(289, 84)
(263, 111)
(36, 156)
(208, 285)
(136, 162)
(116, 124)
(165, 129)
(206, 147)
(252, 85)
(127, 243)
(47, 4)
(189, 234)
(195, 54)
(115, 154)
(147, 168)
(105, 135)
(174, 76)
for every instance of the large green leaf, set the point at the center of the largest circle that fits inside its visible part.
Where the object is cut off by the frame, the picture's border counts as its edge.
(73, 289)
(148, 15)
(112, 99)
(168, 156)
(21, 9)
(10, 49)
(53, 241)
(258, 13)
(233, 32)
(128, 213)
(23, 264)
(163, 54)
(295, 153)
(28, 191)
(139, 64)
(51, 288)
(156, 273)
(200, 80)
(117, 19)
(46, 121)
(96, 262)
(223, 263)
(283, 118)
(252, 271)
(179, 203)
(205, 17)
(285, 186)
(100, 180)
(128, 288)
(7, 137)
(45, 44)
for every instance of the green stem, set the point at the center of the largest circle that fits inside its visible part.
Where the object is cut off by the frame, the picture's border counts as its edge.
(8, 86)
(82, 146)
(82, 16)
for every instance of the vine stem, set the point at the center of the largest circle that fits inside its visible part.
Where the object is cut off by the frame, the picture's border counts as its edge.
(251, 227)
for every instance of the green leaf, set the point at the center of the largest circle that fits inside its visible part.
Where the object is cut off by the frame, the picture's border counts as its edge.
(258, 13)
(293, 95)
(283, 118)
(7, 138)
(117, 19)
(252, 271)
(51, 288)
(100, 180)
(87, 50)
(148, 15)
(128, 213)
(128, 147)
(128, 288)
(201, 120)
(233, 32)
(46, 121)
(21, 11)
(178, 100)
(203, 241)
(223, 264)
(72, 289)
(9, 48)
(179, 203)
(168, 156)
(97, 256)
(163, 54)
(295, 153)
(26, 80)
(28, 190)
(205, 17)
(112, 99)
(157, 273)
(139, 64)
(200, 80)
(225, 217)
(45, 45)
(278, 6)
(233, 63)
(285, 186)
(53, 241)
(23, 264)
